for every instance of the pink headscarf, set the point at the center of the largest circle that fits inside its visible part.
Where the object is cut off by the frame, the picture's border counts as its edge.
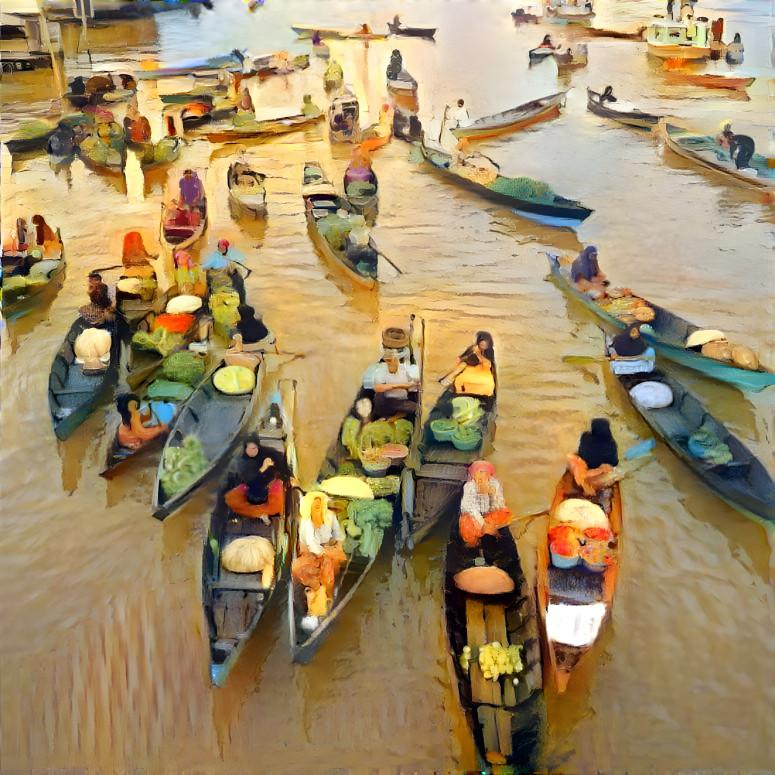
(480, 465)
(182, 259)
(223, 243)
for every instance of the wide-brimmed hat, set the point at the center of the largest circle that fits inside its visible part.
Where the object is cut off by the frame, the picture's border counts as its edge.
(395, 338)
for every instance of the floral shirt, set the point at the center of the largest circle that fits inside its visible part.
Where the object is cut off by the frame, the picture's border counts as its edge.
(477, 504)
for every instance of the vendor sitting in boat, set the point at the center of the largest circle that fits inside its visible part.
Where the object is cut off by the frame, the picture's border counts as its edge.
(593, 464)
(256, 486)
(320, 552)
(309, 108)
(629, 343)
(192, 191)
(607, 95)
(586, 275)
(482, 509)
(133, 432)
(395, 388)
(474, 372)
(99, 311)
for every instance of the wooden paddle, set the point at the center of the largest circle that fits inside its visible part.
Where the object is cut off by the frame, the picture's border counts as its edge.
(583, 360)
(380, 253)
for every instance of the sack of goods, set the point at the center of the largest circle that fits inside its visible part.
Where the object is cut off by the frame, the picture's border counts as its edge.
(92, 344)
(652, 395)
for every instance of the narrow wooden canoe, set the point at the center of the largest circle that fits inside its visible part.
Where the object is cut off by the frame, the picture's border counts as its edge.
(246, 188)
(539, 53)
(320, 199)
(710, 80)
(52, 269)
(179, 230)
(73, 392)
(411, 32)
(551, 210)
(336, 33)
(306, 635)
(668, 336)
(574, 604)
(259, 129)
(215, 420)
(744, 483)
(234, 602)
(634, 118)
(704, 151)
(600, 32)
(506, 714)
(520, 117)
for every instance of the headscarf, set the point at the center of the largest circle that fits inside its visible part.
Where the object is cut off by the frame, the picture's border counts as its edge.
(182, 259)
(626, 345)
(223, 243)
(134, 252)
(585, 266)
(597, 445)
(44, 233)
(305, 507)
(251, 328)
(480, 465)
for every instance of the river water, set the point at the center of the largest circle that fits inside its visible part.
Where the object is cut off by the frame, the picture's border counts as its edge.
(103, 645)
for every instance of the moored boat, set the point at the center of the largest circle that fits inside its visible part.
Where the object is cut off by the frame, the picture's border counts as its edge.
(524, 115)
(521, 16)
(623, 112)
(725, 465)
(338, 33)
(710, 80)
(249, 130)
(677, 40)
(359, 262)
(76, 384)
(505, 709)
(568, 11)
(411, 32)
(234, 601)
(246, 188)
(704, 150)
(667, 333)
(529, 198)
(204, 431)
(575, 593)
(367, 476)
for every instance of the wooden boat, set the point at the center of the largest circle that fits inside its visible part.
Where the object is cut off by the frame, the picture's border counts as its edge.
(575, 603)
(742, 482)
(306, 635)
(568, 11)
(34, 135)
(704, 151)
(540, 53)
(336, 33)
(444, 466)
(348, 129)
(411, 32)
(246, 188)
(259, 129)
(506, 714)
(622, 112)
(600, 32)
(668, 337)
(234, 602)
(710, 80)
(320, 200)
(73, 390)
(50, 270)
(569, 60)
(676, 40)
(538, 202)
(215, 420)
(230, 61)
(181, 228)
(520, 117)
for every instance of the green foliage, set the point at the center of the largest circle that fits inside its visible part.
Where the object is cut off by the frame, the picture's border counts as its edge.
(183, 367)
(523, 188)
(372, 517)
(182, 466)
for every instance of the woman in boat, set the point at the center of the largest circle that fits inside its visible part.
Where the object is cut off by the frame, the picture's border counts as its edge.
(245, 102)
(62, 143)
(393, 385)
(352, 427)
(256, 486)
(191, 190)
(475, 368)
(135, 258)
(250, 327)
(482, 509)
(395, 65)
(320, 545)
(547, 43)
(726, 138)
(309, 108)
(586, 275)
(607, 95)
(593, 464)
(735, 49)
(188, 275)
(99, 310)
(132, 432)
(45, 237)
(629, 343)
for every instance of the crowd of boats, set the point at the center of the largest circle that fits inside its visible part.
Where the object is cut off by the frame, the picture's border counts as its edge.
(186, 350)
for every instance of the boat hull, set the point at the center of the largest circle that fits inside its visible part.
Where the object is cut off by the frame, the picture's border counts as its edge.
(634, 119)
(542, 110)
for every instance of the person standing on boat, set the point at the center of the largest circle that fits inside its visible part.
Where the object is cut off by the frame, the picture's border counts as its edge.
(482, 509)
(392, 387)
(395, 65)
(192, 191)
(586, 275)
(460, 115)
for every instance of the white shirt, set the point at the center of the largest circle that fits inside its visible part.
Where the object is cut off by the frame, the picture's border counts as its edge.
(314, 538)
(382, 376)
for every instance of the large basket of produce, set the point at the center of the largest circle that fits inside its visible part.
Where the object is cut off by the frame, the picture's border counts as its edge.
(443, 430)
(234, 380)
(395, 452)
(565, 553)
(466, 439)
(374, 462)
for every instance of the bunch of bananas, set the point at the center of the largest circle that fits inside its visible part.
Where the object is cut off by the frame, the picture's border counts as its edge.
(496, 660)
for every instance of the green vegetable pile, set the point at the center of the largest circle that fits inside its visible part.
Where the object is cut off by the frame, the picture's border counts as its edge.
(374, 434)
(523, 188)
(224, 308)
(365, 526)
(335, 230)
(160, 341)
(183, 367)
(182, 466)
(383, 486)
(466, 410)
(467, 434)
(164, 390)
(704, 444)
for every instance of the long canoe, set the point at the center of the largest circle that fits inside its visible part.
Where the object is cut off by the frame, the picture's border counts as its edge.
(234, 602)
(321, 199)
(73, 391)
(574, 604)
(710, 80)
(507, 713)
(631, 117)
(743, 482)
(50, 269)
(246, 188)
(704, 151)
(336, 33)
(308, 633)
(520, 117)
(444, 467)
(259, 129)
(667, 336)
(181, 228)
(550, 208)
(411, 32)
(215, 420)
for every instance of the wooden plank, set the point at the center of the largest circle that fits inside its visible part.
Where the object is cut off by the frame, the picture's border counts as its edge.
(503, 725)
(509, 695)
(475, 623)
(495, 623)
(486, 716)
(480, 691)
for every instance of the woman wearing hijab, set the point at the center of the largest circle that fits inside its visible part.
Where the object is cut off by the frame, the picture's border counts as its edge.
(256, 486)
(476, 374)
(593, 465)
(482, 509)
(629, 343)
(135, 258)
(249, 326)
(586, 275)
(132, 433)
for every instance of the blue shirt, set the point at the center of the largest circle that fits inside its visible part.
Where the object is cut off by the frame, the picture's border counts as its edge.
(218, 260)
